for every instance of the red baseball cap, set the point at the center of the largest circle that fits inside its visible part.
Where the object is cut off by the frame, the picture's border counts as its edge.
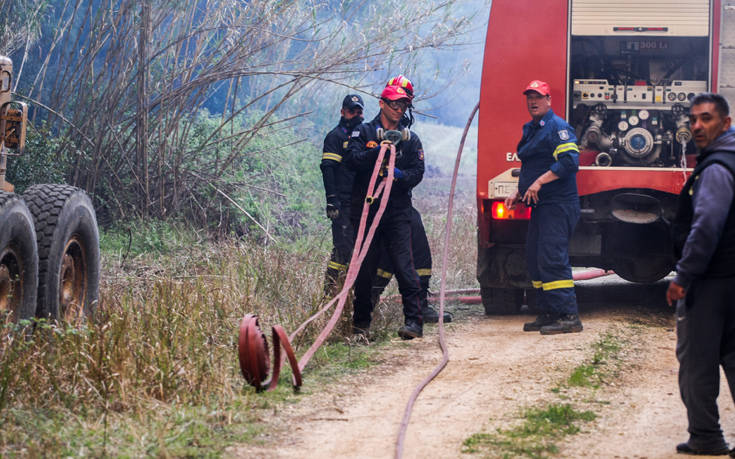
(394, 92)
(539, 86)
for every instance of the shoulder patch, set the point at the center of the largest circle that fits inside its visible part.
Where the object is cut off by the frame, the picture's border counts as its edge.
(421, 154)
(371, 144)
(563, 134)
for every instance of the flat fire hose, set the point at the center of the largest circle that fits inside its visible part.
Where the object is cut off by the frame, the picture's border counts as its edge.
(442, 340)
(252, 343)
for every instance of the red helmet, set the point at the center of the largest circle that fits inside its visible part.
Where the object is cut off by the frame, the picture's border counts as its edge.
(394, 92)
(403, 82)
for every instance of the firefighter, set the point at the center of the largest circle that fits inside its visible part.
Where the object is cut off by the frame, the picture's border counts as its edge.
(338, 189)
(422, 263)
(549, 162)
(394, 230)
(704, 286)
(419, 241)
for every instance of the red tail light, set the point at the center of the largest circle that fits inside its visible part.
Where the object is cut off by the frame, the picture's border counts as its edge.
(500, 212)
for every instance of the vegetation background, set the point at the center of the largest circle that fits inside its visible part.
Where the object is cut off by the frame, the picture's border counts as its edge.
(196, 128)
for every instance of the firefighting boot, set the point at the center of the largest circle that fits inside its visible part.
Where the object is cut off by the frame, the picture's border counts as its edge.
(411, 330)
(568, 323)
(431, 316)
(541, 320)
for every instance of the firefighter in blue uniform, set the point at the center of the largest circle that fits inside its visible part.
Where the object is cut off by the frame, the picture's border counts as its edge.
(549, 163)
(338, 189)
(394, 231)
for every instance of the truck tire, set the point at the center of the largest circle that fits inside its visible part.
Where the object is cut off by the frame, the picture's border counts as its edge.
(499, 301)
(18, 259)
(68, 251)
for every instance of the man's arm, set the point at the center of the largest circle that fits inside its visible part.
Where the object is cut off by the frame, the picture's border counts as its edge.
(712, 198)
(359, 156)
(331, 159)
(413, 169)
(566, 163)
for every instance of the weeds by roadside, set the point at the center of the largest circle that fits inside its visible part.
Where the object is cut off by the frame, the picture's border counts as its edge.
(543, 426)
(155, 372)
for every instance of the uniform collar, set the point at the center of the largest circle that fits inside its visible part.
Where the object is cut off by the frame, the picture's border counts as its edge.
(542, 122)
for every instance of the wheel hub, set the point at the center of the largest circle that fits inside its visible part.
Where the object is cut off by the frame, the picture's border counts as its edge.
(73, 280)
(11, 285)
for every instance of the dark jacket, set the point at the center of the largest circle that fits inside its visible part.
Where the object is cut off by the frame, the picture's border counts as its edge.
(362, 152)
(336, 175)
(704, 226)
(549, 144)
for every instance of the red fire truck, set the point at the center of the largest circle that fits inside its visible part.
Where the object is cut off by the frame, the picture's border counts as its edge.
(622, 74)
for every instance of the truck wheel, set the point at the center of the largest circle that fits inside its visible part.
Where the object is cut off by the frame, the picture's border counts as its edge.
(18, 259)
(501, 300)
(68, 251)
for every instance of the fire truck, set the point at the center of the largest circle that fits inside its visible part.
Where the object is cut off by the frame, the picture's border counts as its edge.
(622, 74)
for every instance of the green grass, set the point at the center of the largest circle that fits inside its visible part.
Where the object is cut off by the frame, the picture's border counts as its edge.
(541, 429)
(534, 437)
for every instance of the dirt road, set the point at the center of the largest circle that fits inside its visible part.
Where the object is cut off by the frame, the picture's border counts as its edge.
(495, 370)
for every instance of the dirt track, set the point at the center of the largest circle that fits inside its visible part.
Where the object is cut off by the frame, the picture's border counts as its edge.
(496, 369)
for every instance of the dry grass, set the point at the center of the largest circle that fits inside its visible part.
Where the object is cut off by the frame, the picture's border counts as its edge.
(155, 372)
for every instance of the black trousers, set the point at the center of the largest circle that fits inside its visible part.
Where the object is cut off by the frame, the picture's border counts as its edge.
(343, 241)
(705, 331)
(421, 260)
(394, 234)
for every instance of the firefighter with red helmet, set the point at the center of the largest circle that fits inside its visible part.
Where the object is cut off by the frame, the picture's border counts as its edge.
(549, 163)
(420, 243)
(338, 189)
(394, 231)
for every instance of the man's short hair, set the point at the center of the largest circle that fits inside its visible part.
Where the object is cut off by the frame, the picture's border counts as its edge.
(721, 105)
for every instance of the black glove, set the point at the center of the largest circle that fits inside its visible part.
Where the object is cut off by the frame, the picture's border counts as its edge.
(332, 207)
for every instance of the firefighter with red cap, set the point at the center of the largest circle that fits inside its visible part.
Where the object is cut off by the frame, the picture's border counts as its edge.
(394, 231)
(338, 189)
(549, 163)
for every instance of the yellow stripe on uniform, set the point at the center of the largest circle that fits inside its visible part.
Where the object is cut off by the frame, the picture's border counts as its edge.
(424, 272)
(569, 146)
(332, 156)
(335, 265)
(566, 283)
(537, 284)
(384, 274)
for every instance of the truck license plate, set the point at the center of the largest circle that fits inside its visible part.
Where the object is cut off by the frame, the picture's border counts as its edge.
(504, 189)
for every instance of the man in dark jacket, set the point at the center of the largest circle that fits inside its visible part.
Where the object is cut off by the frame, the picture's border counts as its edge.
(394, 231)
(704, 286)
(338, 189)
(549, 162)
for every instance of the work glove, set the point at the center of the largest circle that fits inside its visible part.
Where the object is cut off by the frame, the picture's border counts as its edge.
(332, 207)
(397, 173)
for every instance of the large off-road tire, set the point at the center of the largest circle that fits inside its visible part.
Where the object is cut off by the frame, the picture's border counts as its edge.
(501, 300)
(68, 251)
(18, 259)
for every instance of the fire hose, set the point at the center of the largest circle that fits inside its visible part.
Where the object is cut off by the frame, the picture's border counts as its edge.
(252, 344)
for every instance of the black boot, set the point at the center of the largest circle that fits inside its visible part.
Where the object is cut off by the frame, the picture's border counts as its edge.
(541, 320)
(430, 315)
(411, 330)
(568, 323)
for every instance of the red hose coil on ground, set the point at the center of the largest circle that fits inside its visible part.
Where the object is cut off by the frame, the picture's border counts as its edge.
(252, 343)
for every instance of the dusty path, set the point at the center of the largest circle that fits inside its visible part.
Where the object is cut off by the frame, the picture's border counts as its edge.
(495, 370)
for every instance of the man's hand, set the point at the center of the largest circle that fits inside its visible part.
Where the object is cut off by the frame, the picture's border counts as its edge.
(510, 201)
(531, 196)
(332, 207)
(674, 293)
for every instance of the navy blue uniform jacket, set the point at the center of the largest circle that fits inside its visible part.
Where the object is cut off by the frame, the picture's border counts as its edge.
(549, 144)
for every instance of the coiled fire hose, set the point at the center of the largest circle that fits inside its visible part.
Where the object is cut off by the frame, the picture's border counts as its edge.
(252, 344)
